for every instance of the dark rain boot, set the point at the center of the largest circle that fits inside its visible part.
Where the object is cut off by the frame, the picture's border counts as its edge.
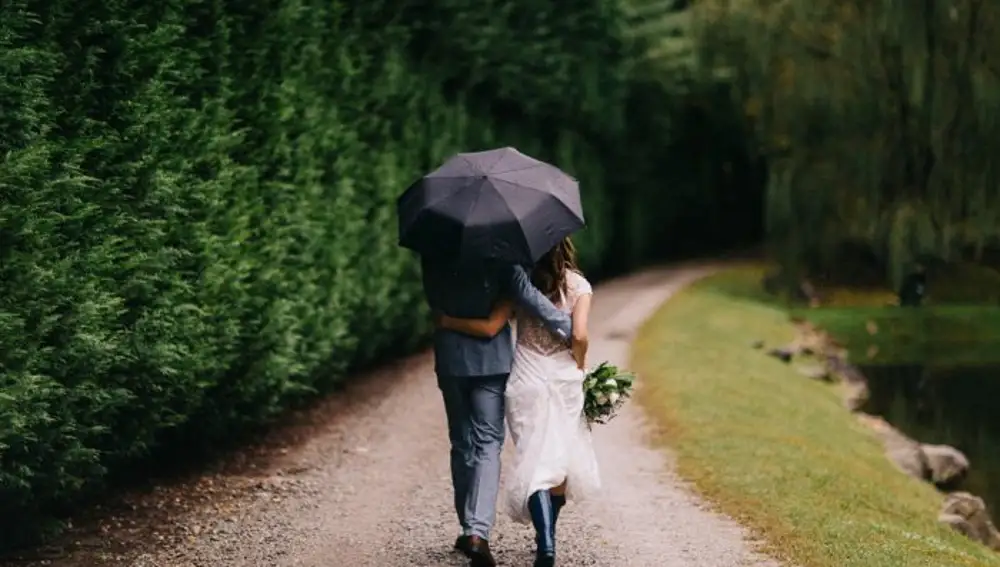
(543, 517)
(558, 501)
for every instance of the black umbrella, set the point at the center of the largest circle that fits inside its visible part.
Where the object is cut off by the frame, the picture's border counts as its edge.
(498, 204)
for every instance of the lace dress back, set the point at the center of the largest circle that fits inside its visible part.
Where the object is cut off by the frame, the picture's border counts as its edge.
(534, 335)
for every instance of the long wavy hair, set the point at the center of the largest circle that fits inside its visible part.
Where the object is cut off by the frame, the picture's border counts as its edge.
(549, 275)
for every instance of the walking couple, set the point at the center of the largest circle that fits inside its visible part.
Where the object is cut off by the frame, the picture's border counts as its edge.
(485, 379)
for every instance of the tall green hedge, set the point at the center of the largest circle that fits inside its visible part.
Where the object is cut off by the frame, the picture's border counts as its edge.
(197, 221)
(197, 224)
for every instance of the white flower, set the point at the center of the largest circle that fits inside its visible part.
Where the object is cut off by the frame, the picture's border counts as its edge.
(611, 382)
(613, 397)
(601, 399)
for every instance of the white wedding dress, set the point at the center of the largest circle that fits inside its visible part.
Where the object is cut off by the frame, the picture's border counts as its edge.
(544, 407)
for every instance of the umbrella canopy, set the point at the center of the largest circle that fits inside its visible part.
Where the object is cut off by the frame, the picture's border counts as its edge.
(497, 204)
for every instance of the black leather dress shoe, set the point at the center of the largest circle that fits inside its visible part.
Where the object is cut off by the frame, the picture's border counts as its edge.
(479, 553)
(462, 544)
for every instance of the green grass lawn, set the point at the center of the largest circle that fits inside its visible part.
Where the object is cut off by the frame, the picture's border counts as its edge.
(778, 451)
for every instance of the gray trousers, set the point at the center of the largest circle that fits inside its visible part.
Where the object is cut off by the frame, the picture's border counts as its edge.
(475, 409)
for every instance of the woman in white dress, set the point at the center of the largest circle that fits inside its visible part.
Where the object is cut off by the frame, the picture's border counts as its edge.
(554, 460)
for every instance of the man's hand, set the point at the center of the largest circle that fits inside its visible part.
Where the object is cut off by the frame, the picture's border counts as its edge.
(438, 318)
(527, 296)
(579, 345)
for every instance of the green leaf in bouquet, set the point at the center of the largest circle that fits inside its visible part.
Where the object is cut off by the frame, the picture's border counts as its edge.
(604, 370)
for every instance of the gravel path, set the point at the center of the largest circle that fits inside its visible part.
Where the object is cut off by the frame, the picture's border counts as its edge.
(365, 483)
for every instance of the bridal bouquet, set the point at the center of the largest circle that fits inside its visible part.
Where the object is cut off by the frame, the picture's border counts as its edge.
(605, 389)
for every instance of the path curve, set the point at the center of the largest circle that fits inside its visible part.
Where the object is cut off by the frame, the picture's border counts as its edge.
(370, 486)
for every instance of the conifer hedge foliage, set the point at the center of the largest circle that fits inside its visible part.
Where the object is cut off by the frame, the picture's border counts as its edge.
(197, 201)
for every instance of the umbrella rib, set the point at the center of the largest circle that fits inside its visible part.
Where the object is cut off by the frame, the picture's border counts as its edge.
(468, 212)
(527, 167)
(450, 194)
(466, 176)
(427, 207)
(527, 245)
(557, 200)
(470, 162)
(538, 164)
(500, 155)
(560, 201)
(569, 210)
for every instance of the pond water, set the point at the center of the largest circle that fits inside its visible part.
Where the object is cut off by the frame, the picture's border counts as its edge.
(956, 405)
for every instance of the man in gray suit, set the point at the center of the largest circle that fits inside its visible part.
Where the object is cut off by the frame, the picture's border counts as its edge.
(472, 375)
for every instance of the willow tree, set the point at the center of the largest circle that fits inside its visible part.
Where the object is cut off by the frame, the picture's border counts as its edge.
(880, 120)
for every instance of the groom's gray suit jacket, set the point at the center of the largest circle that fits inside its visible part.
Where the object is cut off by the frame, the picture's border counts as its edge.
(470, 291)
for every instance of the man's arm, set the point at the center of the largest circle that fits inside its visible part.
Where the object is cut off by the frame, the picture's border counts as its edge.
(527, 295)
(485, 328)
